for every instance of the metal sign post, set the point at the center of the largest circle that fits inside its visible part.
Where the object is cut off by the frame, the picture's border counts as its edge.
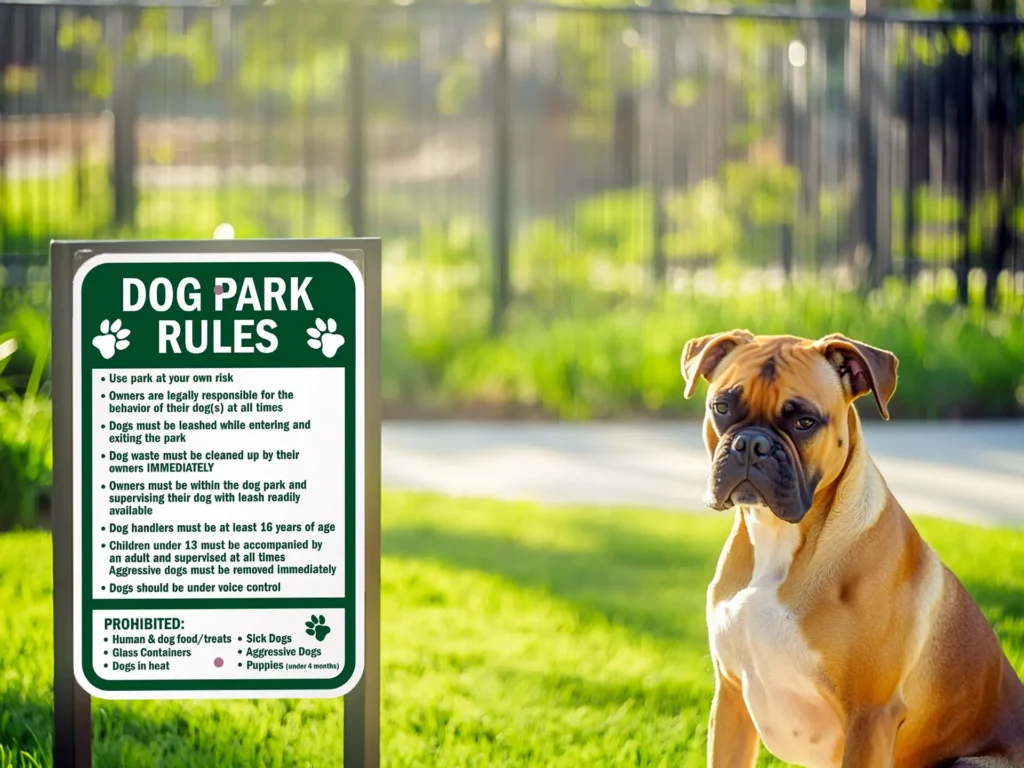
(216, 522)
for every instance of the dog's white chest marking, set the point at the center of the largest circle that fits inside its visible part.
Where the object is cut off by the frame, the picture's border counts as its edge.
(757, 641)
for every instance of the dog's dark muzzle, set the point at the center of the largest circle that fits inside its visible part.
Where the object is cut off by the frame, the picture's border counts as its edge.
(753, 466)
(751, 447)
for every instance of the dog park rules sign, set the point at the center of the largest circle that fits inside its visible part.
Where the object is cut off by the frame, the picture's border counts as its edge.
(218, 465)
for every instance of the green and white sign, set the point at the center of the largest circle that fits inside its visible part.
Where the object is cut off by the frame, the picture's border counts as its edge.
(218, 475)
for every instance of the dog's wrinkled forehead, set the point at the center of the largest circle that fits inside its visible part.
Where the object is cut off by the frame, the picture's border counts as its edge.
(775, 370)
(833, 370)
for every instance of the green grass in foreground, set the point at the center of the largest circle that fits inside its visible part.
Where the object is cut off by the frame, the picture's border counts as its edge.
(512, 635)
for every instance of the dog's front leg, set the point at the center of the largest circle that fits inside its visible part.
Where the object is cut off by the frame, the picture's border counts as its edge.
(871, 736)
(732, 738)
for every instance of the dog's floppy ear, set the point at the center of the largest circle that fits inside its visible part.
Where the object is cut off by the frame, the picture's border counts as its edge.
(862, 368)
(702, 355)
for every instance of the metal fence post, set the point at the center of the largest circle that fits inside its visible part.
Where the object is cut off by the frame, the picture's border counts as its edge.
(72, 713)
(501, 223)
(867, 153)
(788, 119)
(865, 92)
(125, 106)
(914, 114)
(361, 716)
(357, 138)
(662, 165)
(966, 134)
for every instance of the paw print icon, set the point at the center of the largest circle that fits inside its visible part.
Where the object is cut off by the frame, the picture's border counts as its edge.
(324, 336)
(111, 338)
(317, 626)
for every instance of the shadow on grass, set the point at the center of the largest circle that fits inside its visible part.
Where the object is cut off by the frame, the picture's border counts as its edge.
(651, 586)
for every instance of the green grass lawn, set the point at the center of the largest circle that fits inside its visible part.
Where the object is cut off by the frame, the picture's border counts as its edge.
(512, 635)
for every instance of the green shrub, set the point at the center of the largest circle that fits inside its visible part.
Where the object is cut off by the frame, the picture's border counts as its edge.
(26, 461)
(954, 362)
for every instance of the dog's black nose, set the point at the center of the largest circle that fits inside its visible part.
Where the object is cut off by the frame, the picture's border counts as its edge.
(751, 446)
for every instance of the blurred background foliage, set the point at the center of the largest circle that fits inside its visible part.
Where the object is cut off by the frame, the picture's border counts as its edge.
(566, 194)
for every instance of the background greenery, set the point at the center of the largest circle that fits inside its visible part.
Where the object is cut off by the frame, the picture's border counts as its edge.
(587, 337)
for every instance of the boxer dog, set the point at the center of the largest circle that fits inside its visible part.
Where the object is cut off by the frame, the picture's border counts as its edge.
(837, 636)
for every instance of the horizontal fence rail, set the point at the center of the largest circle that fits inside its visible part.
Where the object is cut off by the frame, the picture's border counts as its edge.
(527, 155)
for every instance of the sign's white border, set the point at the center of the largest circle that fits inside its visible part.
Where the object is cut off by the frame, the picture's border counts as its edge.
(360, 543)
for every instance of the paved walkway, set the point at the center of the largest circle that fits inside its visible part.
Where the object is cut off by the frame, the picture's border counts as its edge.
(970, 472)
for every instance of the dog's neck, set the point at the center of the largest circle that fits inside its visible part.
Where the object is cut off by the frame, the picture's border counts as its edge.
(860, 493)
(853, 504)
(775, 543)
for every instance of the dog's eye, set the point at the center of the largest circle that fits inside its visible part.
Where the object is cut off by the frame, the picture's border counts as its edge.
(721, 408)
(805, 423)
